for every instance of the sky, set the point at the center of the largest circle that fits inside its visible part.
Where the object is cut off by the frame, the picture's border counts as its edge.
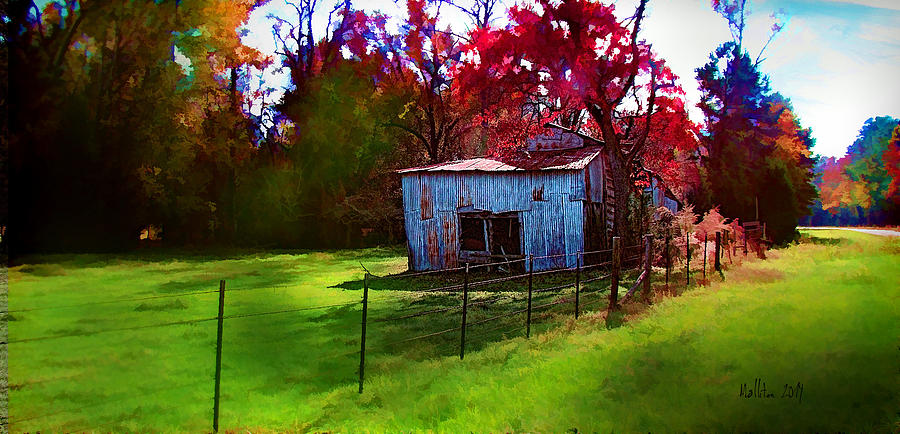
(838, 60)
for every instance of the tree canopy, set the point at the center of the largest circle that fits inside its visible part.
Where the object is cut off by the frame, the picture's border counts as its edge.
(130, 114)
(757, 162)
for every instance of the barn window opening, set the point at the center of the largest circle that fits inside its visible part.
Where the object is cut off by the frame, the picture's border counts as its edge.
(472, 233)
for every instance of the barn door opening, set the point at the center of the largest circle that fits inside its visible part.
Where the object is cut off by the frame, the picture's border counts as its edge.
(473, 235)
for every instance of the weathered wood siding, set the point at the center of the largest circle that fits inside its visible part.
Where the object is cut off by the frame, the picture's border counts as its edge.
(595, 221)
(554, 225)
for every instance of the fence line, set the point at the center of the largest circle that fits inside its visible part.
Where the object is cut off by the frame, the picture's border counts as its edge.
(173, 323)
(421, 337)
(150, 297)
(299, 309)
(502, 315)
(443, 270)
(433, 311)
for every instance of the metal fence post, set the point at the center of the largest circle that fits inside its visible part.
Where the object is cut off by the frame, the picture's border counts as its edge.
(687, 254)
(218, 356)
(614, 273)
(578, 259)
(362, 339)
(530, 279)
(465, 306)
(718, 251)
(648, 259)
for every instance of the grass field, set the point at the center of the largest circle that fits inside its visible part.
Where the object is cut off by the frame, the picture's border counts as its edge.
(824, 314)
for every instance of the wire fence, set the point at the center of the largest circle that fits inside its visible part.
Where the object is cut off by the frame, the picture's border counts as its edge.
(438, 306)
(503, 304)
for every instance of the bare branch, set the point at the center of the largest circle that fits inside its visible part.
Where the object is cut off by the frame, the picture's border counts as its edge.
(635, 64)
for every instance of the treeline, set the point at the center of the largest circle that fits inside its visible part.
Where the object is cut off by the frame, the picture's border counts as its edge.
(863, 187)
(137, 114)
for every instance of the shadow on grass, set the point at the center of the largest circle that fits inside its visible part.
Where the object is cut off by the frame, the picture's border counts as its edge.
(317, 351)
(199, 255)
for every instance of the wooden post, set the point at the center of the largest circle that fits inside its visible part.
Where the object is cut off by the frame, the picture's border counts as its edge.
(577, 281)
(724, 244)
(465, 306)
(729, 241)
(705, 244)
(362, 339)
(745, 242)
(718, 251)
(218, 356)
(530, 279)
(648, 259)
(687, 255)
(614, 273)
(668, 258)
(734, 244)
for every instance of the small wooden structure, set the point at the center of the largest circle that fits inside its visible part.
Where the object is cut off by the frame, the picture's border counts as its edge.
(755, 238)
(552, 198)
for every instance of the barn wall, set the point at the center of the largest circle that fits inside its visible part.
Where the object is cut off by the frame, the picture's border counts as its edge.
(594, 180)
(552, 224)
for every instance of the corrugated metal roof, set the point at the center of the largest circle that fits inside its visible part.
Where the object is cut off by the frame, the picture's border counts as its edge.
(518, 160)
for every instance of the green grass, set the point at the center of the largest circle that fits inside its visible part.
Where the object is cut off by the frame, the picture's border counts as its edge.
(824, 313)
(65, 377)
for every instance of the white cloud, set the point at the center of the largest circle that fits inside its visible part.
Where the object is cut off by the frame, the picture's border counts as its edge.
(837, 73)
(883, 4)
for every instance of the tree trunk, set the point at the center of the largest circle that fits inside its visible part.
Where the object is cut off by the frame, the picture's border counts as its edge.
(621, 190)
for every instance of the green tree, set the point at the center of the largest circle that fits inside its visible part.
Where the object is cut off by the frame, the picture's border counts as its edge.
(757, 164)
(113, 131)
(867, 166)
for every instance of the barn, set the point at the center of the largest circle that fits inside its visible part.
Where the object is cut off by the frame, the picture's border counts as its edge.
(549, 199)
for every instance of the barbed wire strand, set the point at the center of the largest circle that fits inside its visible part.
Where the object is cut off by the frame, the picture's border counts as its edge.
(433, 311)
(173, 323)
(420, 337)
(299, 309)
(444, 270)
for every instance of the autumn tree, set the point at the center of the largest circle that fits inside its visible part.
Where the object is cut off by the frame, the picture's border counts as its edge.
(891, 159)
(420, 65)
(575, 61)
(861, 187)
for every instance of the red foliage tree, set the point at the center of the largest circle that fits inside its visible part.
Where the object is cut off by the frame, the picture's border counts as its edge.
(575, 60)
(892, 164)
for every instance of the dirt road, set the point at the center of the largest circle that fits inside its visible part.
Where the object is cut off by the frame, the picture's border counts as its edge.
(883, 232)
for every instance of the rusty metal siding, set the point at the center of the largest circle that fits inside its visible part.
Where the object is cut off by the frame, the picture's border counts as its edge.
(552, 226)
